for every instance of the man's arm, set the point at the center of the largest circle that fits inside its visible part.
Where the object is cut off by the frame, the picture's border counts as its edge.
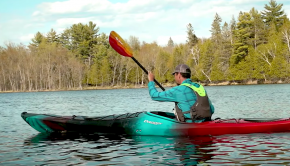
(168, 95)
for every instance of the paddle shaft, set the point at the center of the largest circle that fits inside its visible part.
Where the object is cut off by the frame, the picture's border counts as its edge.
(147, 72)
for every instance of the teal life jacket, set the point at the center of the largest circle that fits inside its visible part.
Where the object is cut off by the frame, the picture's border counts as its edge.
(200, 109)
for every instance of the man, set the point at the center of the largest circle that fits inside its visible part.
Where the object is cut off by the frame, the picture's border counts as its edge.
(191, 101)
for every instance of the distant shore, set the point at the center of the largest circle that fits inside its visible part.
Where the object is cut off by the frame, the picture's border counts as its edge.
(250, 82)
(166, 85)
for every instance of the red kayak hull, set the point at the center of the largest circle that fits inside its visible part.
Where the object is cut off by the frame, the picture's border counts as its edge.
(234, 126)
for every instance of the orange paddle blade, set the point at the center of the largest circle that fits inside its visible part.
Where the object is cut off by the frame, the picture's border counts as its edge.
(119, 44)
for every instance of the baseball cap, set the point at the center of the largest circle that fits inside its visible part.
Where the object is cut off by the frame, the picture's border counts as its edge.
(182, 68)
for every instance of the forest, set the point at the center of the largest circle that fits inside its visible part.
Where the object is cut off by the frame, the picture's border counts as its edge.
(255, 46)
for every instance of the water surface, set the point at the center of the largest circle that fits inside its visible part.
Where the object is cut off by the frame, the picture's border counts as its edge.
(22, 145)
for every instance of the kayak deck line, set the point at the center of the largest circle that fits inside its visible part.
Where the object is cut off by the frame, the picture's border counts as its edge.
(249, 120)
(112, 117)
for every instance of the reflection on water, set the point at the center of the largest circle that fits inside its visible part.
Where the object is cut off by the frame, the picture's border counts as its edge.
(253, 149)
(94, 149)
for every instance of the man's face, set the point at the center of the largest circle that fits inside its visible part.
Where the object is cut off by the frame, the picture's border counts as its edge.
(177, 78)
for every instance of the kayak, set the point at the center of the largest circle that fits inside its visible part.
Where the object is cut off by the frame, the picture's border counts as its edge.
(155, 123)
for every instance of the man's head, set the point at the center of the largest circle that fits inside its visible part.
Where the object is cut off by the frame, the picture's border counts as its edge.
(181, 73)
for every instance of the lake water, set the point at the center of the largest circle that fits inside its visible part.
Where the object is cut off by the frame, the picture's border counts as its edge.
(22, 145)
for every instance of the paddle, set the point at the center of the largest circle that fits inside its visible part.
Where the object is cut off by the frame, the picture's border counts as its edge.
(119, 45)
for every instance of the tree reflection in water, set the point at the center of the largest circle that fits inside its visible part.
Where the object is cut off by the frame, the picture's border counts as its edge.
(93, 149)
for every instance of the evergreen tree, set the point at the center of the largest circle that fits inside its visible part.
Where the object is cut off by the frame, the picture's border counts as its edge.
(170, 43)
(207, 56)
(273, 13)
(216, 29)
(81, 39)
(225, 48)
(217, 73)
(257, 29)
(243, 35)
(52, 37)
(213, 72)
(65, 39)
(93, 31)
(38, 38)
(226, 33)
(191, 37)
(233, 26)
(272, 54)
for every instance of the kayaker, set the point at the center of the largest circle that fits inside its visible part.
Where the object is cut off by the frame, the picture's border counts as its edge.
(191, 101)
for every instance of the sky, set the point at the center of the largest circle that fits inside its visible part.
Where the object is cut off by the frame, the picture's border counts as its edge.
(148, 20)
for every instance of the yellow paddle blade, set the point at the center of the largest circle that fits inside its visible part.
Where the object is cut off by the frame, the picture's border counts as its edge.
(119, 45)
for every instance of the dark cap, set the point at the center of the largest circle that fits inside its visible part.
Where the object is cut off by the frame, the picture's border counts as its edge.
(182, 69)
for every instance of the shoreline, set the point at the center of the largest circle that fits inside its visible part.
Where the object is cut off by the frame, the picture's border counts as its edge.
(166, 85)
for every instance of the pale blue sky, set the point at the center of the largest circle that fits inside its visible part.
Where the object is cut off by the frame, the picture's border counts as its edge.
(149, 20)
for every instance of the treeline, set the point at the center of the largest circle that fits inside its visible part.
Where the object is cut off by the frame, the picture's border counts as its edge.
(256, 46)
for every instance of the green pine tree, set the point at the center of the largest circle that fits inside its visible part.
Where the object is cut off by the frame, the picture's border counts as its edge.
(38, 38)
(191, 37)
(257, 29)
(207, 57)
(216, 29)
(243, 35)
(52, 37)
(273, 13)
(233, 26)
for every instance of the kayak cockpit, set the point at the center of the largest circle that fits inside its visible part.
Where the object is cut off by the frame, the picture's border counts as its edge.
(164, 114)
